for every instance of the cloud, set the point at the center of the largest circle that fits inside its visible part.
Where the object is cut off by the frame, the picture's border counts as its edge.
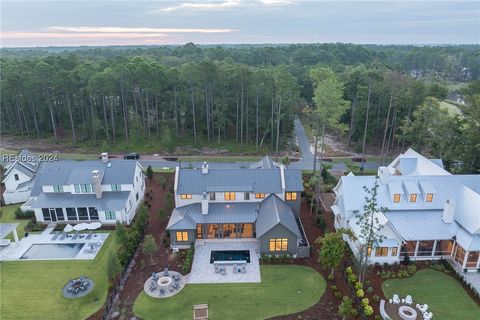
(224, 4)
(139, 30)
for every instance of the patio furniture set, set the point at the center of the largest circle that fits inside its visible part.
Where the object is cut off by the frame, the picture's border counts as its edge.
(76, 285)
(166, 282)
(407, 312)
(236, 268)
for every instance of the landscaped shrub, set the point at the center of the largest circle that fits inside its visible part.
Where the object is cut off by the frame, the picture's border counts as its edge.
(358, 285)
(330, 277)
(338, 294)
(169, 202)
(131, 238)
(187, 263)
(60, 227)
(360, 293)
(376, 297)
(369, 289)
(352, 278)
(28, 214)
(365, 302)
(349, 270)
(162, 181)
(333, 287)
(33, 226)
(412, 269)
(149, 172)
(162, 213)
(368, 310)
(406, 259)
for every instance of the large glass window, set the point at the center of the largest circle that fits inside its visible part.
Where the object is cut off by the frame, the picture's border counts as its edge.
(290, 196)
(278, 245)
(229, 231)
(93, 213)
(185, 196)
(213, 231)
(381, 251)
(394, 251)
(259, 195)
(46, 214)
(444, 247)
(182, 236)
(110, 215)
(425, 248)
(459, 254)
(77, 188)
(246, 196)
(59, 212)
(472, 259)
(229, 196)
(245, 230)
(58, 188)
(116, 187)
(82, 213)
(71, 214)
(212, 195)
(199, 231)
(409, 248)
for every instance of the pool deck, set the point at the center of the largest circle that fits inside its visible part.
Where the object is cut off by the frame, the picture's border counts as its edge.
(15, 250)
(204, 272)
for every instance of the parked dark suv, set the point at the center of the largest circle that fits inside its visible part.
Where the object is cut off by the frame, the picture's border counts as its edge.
(131, 156)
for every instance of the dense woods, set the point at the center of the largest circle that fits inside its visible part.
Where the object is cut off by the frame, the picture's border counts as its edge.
(245, 94)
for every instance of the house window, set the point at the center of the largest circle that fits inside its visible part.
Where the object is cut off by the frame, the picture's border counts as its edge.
(110, 215)
(71, 214)
(185, 196)
(82, 213)
(396, 198)
(182, 236)
(46, 214)
(429, 197)
(58, 188)
(116, 187)
(369, 252)
(278, 245)
(136, 196)
(413, 197)
(291, 196)
(229, 196)
(77, 188)
(59, 213)
(259, 195)
(246, 196)
(381, 251)
(212, 195)
(93, 213)
(394, 252)
(16, 177)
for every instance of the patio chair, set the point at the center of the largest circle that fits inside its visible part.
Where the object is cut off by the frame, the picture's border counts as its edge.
(223, 271)
(235, 268)
(423, 308)
(244, 268)
(165, 272)
(153, 285)
(396, 299)
(155, 276)
(162, 292)
(427, 316)
(217, 268)
(408, 300)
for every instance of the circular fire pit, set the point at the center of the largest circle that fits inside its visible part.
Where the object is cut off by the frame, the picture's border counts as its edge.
(407, 313)
(77, 288)
(164, 281)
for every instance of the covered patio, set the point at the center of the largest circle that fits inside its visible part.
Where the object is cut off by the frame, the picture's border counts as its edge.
(5, 230)
(203, 271)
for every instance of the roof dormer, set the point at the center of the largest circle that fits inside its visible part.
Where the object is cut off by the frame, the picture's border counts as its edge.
(411, 189)
(428, 190)
(396, 191)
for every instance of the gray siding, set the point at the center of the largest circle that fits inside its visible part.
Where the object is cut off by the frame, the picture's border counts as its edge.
(278, 231)
(191, 237)
(295, 205)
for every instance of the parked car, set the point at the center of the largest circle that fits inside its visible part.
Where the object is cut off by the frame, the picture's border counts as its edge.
(131, 156)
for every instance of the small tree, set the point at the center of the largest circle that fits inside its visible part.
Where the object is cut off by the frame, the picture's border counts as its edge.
(370, 225)
(345, 309)
(149, 172)
(113, 265)
(121, 233)
(162, 181)
(169, 202)
(149, 246)
(332, 250)
(286, 161)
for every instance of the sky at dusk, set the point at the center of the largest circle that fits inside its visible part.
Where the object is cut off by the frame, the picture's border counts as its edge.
(74, 23)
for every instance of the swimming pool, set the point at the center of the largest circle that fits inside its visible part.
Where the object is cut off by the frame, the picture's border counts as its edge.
(231, 255)
(53, 251)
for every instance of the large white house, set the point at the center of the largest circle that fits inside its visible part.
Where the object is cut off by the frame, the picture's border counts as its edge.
(19, 176)
(431, 214)
(80, 191)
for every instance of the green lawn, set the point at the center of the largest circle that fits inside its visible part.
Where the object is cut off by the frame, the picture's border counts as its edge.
(283, 290)
(444, 295)
(33, 289)
(8, 216)
(451, 108)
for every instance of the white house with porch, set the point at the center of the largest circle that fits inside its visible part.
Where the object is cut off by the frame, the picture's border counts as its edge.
(81, 191)
(431, 214)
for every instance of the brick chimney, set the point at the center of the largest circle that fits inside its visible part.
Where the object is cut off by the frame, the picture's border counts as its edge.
(449, 211)
(205, 168)
(204, 204)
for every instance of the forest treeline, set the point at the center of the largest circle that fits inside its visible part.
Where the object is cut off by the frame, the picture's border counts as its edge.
(246, 94)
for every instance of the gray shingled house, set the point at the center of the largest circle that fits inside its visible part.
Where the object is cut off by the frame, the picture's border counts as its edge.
(261, 202)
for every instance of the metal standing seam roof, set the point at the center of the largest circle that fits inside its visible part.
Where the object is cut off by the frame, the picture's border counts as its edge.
(421, 225)
(411, 187)
(467, 209)
(274, 211)
(468, 241)
(110, 200)
(6, 228)
(188, 216)
(62, 171)
(21, 168)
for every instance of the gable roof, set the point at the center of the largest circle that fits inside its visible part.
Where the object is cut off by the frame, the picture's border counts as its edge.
(109, 201)
(64, 172)
(412, 163)
(274, 211)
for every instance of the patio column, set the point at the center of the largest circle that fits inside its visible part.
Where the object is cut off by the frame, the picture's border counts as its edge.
(434, 247)
(465, 258)
(478, 262)
(416, 249)
(15, 235)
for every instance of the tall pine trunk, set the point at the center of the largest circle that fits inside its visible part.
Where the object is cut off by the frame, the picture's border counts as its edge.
(366, 126)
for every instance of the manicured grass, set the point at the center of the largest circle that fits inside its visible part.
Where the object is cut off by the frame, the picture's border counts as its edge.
(451, 108)
(444, 295)
(33, 289)
(8, 216)
(283, 290)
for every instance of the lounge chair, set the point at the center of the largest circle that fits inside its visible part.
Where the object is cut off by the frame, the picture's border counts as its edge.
(396, 299)
(244, 268)
(217, 268)
(223, 271)
(162, 292)
(55, 236)
(423, 308)
(90, 235)
(408, 299)
(427, 315)
(75, 236)
(63, 236)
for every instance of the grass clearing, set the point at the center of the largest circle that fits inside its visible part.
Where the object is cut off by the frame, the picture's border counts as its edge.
(284, 289)
(33, 289)
(451, 108)
(445, 296)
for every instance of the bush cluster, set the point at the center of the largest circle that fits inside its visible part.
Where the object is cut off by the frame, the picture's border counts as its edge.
(130, 238)
(187, 262)
(28, 214)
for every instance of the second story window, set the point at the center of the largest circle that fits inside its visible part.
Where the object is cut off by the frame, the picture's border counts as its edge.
(185, 196)
(16, 177)
(212, 195)
(84, 188)
(116, 187)
(413, 197)
(58, 188)
(259, 195)
(290, 196)
(246, 196)
(396, 198)
(429, 197)
(229, 196)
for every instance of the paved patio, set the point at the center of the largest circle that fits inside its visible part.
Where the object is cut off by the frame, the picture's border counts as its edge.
(204, 272)
(471, 277)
